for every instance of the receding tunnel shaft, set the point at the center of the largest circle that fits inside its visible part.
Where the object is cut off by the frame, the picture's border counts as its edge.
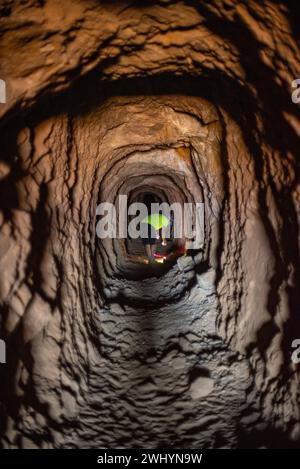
(176, 103)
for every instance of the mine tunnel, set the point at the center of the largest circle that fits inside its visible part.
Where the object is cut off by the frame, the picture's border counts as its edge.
(184, 102)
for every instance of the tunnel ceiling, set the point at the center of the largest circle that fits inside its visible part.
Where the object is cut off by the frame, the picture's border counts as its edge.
(189, 101)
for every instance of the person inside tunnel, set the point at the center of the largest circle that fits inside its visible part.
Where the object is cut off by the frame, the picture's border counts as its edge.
(152, 232)
(110, 341)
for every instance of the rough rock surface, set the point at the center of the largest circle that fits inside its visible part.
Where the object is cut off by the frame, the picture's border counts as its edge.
(191, 100)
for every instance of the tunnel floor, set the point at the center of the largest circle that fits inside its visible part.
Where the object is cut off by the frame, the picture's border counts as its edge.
(163, 378)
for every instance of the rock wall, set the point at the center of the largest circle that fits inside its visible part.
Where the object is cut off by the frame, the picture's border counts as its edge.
(190, 100)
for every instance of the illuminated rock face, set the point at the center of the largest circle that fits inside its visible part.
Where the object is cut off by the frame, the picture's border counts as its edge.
(187, 101)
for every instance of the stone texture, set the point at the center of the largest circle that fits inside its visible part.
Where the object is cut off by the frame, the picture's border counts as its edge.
(191, 100)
